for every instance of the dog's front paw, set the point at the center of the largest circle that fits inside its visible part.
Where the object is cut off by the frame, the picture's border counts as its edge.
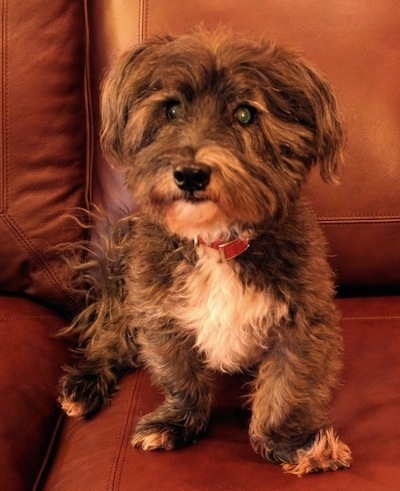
(158, 437)
(327, 453)
(82, 393)
(165, 434)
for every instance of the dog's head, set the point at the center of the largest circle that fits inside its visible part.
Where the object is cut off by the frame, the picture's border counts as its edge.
(216, 133)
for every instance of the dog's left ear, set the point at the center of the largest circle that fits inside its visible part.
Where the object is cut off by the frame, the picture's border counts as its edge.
(328, 129)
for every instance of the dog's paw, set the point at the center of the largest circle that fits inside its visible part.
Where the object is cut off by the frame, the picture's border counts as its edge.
(157, 434)
(72, 408)
(83, 393)
(327, 453)
(157, 438)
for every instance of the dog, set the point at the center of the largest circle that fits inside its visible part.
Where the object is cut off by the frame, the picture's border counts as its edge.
(223, 268)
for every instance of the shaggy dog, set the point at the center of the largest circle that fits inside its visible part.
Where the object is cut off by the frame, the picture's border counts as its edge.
(224, 267)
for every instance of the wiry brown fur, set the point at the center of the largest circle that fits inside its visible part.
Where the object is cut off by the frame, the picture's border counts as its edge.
(170, 106)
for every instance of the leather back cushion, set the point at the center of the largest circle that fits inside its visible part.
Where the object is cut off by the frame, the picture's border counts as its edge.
(357, 45)
(50, 160)
(43, 140)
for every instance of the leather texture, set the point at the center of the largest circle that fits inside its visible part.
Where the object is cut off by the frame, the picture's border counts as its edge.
(53, 57)
(30, 366)
(365, 412)
(44, 140)
(356, 45)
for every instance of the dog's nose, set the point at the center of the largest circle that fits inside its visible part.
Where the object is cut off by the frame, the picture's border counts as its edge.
(192, 178)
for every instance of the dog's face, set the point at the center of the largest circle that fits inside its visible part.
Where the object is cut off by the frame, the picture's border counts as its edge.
(217, 134)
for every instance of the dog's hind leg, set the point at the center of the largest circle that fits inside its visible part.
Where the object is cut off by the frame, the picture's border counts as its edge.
(89, 386)
(106, 342)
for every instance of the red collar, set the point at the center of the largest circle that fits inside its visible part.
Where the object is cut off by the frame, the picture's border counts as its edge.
(227, 250)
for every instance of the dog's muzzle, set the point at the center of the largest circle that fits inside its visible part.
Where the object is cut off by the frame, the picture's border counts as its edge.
(192, 178)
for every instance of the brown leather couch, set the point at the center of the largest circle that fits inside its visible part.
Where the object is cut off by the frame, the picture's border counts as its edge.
(53, 55)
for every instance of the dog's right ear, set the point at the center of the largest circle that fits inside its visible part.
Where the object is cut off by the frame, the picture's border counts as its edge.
(127, 82)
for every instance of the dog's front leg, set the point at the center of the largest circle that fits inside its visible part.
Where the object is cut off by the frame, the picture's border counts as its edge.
(184, 415)
(290, 423)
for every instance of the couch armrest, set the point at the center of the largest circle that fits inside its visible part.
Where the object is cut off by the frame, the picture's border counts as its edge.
(30, 366)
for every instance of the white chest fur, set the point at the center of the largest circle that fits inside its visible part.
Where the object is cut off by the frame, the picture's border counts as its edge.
(230, 321)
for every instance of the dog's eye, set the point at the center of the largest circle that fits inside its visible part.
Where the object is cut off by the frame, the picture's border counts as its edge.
(244, 114)
(173, 110)
(286, 149)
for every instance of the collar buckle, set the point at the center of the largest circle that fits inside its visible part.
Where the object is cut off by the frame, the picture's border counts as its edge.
(227, 250)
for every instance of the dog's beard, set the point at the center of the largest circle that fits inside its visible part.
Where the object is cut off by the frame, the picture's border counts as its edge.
(233, 202)
(192, 218)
